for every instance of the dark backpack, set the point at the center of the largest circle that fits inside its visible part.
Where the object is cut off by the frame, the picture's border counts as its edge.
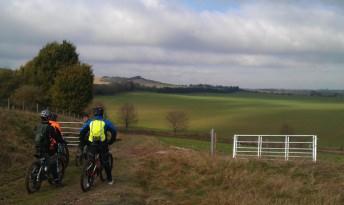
(41, 138)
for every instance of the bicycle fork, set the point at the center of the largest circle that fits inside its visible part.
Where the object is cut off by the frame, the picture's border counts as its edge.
(39, 174)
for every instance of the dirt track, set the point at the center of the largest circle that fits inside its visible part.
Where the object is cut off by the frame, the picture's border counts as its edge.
(126, 190)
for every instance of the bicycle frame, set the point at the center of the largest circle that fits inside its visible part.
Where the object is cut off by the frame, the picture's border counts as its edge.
(41, 168)
(96, 163)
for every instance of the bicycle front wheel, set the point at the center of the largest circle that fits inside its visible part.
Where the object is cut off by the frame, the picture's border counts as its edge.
(32, 179)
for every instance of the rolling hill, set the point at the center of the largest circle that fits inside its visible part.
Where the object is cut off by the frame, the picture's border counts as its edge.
(137, 80)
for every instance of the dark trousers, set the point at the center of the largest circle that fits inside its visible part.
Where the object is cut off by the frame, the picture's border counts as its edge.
(103, 150)
(51, 161)
(52, 164)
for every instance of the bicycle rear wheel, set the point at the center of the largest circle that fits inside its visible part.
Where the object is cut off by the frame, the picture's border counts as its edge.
(61, 169)
(87, 177)
(66, 155)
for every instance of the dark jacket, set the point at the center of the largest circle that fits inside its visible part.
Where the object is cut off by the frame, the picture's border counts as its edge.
(44, 144)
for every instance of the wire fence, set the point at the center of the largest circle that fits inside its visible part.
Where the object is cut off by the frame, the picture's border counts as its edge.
(36, 108)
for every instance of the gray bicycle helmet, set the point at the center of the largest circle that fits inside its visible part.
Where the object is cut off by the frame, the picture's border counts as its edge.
(45, 114)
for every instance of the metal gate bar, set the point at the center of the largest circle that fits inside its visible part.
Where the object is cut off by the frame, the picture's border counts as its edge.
(260, 146)
(70, 132)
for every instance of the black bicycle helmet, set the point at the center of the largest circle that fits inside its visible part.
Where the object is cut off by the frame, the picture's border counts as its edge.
(53, 116)
(98, 111)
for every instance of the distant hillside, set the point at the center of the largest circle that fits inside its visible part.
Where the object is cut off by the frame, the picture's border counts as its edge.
(136, 80)
(321, 92)
(114, 85)
(99, 81)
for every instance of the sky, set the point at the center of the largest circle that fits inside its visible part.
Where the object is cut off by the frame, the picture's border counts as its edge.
(292, 44)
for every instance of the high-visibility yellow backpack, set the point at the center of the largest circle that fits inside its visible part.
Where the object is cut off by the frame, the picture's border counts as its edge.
(97, 132)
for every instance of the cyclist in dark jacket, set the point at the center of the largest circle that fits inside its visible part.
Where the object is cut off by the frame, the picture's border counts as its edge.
(97, 141)
(46, 143)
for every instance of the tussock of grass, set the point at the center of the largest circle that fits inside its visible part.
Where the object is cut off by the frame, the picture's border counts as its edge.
(16, 140)
(184, 177)
(16, 153)
(15, 149)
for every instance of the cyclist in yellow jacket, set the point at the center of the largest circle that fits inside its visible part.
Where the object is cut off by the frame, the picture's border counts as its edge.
(96, 141)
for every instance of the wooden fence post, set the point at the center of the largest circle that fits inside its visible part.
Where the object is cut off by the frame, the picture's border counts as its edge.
(212, 142)
(215, 141)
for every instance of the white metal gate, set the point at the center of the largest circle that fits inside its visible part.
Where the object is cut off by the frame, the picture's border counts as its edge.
(70, 132)
(275, 146)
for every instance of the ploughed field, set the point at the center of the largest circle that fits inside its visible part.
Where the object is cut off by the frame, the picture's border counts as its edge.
(239, 113)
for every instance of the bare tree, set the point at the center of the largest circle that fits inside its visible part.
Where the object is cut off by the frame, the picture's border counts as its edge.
(178, 120)
(128, 115)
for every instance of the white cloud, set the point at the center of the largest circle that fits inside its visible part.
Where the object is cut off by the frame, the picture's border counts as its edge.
(302, 37)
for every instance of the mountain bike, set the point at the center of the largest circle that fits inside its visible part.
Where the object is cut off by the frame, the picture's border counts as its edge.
(39, 171)
(91, 170)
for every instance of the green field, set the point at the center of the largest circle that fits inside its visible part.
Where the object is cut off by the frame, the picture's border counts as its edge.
(240, 113)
